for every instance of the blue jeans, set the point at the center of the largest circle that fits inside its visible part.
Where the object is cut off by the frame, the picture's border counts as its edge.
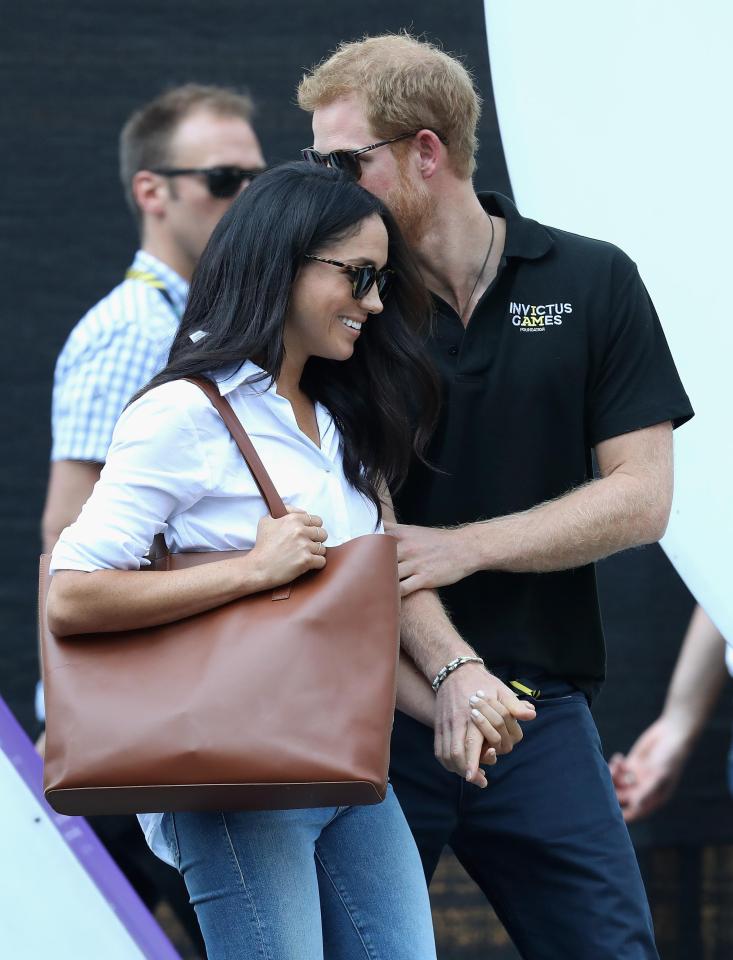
(340, 883)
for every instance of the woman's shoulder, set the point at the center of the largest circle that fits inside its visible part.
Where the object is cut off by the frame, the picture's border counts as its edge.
(167, 409)
(176, 398)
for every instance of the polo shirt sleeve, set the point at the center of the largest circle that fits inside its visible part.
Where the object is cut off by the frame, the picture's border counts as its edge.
(633, 382)
(156, 469)
(94, 380)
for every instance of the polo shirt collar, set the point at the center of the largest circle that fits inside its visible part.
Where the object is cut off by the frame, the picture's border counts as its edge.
(525, 238)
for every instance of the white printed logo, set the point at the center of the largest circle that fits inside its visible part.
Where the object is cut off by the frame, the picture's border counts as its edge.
(536, 318)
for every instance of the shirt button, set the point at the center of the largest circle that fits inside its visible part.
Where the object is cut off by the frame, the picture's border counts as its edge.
(453, 350)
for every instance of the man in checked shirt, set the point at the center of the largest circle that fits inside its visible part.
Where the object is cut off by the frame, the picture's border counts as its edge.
(184, 157)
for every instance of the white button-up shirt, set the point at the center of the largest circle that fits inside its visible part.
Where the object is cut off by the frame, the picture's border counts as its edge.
(173, 467)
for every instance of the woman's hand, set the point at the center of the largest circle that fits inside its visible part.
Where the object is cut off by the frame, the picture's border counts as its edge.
(499, 728)
(288, 547)
(493, 725)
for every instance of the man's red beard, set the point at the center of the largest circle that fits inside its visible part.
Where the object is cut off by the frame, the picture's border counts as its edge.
(411, 206)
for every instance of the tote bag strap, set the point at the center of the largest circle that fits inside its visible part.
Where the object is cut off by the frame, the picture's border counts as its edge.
(261, 476)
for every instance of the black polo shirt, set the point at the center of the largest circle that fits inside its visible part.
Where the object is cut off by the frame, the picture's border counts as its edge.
(564, 350)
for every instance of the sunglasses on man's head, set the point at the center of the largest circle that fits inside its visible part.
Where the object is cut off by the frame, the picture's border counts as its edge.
(348, 160)
(362, 278)
(222, 182)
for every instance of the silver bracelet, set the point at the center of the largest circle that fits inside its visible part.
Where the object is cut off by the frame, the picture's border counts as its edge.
(450, 667)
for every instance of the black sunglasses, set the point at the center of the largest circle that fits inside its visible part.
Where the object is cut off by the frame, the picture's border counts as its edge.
(348, 160)
(221, 181)
(362, 278)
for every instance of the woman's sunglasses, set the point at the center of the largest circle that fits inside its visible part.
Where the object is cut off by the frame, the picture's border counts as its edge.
(222, 182)
(348, 160)
(362, 278)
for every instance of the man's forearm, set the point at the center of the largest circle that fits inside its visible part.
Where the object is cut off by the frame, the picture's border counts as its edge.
(628, 506)
(428, 636)
(587, 524)
(432, 642)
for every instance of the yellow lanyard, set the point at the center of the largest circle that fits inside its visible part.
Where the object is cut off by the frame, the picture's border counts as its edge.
(150, 280)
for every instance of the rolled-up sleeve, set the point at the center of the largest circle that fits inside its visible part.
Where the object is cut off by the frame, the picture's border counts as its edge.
(155, 469)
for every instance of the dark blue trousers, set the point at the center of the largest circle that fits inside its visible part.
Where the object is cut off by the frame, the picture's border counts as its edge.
(545, 841)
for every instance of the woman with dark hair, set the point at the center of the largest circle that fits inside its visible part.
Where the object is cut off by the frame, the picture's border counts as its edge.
(286, 315)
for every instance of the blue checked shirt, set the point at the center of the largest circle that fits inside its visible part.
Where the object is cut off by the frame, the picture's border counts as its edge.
(110, 354)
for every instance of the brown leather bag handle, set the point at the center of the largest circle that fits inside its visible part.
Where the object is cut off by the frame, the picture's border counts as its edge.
(261, 477)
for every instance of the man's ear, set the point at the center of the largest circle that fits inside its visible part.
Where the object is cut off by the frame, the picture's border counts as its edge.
(150, 191)
(430, 152)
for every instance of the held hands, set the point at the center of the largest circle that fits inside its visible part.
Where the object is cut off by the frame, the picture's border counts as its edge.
(475, 720)
(428, 557)
(288, 547)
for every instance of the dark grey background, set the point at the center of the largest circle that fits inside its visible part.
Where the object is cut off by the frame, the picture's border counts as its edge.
(70, 75)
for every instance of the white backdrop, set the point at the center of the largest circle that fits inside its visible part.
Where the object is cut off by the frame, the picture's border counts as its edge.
(616, 123)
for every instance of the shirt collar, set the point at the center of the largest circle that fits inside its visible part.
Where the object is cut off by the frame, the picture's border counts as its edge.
(232, 377)
(525, 238)
(176, 287)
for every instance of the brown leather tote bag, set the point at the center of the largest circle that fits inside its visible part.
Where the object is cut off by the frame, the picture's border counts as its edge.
(280, 699)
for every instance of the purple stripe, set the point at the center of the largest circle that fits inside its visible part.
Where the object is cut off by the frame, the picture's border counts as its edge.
(87, 848)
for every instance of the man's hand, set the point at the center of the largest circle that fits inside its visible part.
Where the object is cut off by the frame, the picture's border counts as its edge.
(428, 557)
(647, 776)
(460, 743)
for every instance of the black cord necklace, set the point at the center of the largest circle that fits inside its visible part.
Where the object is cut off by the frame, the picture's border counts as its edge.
(480, 273)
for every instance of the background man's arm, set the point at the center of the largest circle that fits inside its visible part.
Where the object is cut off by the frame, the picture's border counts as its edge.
(646, 778)
(70, 484)
(627, 506)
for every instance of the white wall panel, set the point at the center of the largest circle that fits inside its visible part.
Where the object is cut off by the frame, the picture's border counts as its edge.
(616, 123)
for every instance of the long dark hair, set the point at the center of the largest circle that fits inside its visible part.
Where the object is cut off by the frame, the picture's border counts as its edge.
(384, 398)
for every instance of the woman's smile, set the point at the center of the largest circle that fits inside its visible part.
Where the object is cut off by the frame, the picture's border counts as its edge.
(351, 324)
